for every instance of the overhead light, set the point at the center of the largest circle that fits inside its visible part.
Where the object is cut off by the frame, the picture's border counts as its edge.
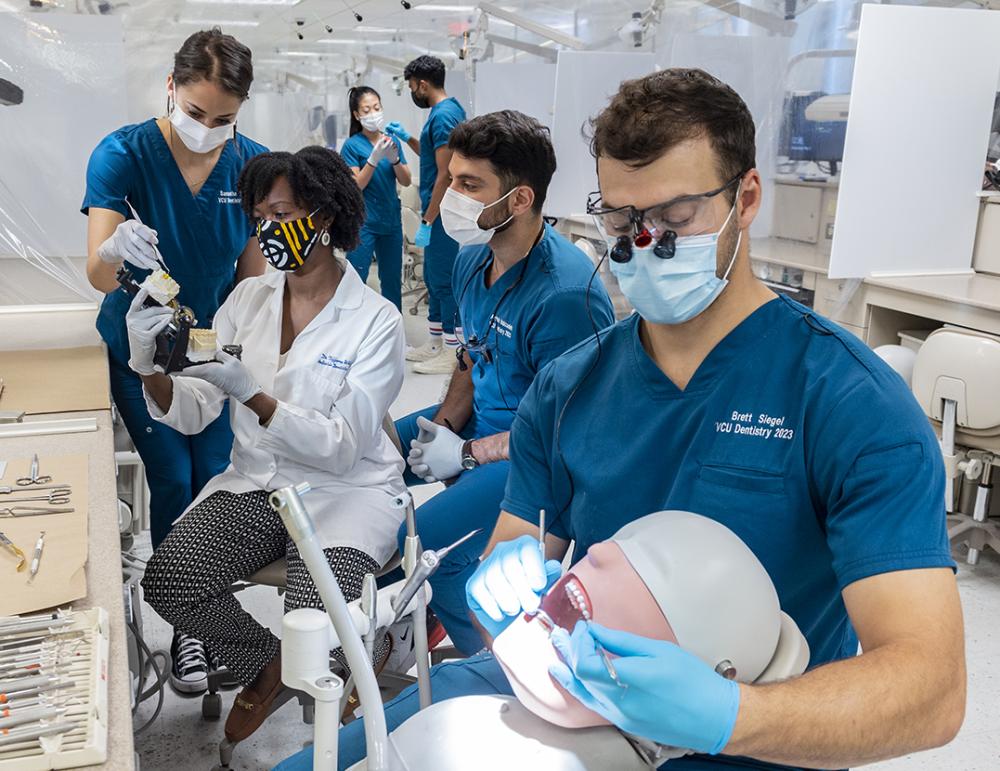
(207, 23)
(347, 41)
(245, 2)
(446, 8)
(303, 53)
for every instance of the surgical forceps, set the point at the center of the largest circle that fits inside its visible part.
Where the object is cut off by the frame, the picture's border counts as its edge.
(31, 511)
(9, 545)
(57, 497)
(33, 478)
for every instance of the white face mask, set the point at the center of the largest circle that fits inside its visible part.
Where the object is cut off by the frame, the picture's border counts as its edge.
(460, 217)
(373, 121)
(197, 137)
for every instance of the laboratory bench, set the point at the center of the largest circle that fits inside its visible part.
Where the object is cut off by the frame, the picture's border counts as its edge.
(103, 566)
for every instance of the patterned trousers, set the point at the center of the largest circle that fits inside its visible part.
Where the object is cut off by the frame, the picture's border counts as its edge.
(224, 539)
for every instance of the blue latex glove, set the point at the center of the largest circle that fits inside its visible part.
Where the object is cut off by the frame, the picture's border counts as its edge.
(396, 129)
(671, 696)
(512, 579)
(423, 237)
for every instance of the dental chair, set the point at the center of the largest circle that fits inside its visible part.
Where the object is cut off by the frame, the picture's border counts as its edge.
(274, 575)
(956, 380)
(413, 259)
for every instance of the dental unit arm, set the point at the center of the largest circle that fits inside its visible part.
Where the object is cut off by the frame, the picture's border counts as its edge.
(173, 342)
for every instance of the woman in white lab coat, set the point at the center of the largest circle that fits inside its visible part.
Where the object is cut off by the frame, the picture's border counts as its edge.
(322, 361)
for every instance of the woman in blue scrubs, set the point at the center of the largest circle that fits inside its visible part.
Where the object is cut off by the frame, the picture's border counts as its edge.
(178, 173)
(378, 164)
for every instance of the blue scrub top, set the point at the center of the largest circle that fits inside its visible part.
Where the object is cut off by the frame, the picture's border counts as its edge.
(533, 313)
(445, 115)
(381, 200)
(200, 237)
(792, 433)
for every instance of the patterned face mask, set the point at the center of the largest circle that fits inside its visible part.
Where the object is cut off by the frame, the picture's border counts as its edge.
(287, 245)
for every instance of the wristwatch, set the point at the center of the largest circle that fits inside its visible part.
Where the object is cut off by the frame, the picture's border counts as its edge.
(469, 461)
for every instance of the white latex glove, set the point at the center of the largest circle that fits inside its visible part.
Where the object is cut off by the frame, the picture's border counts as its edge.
(132, 242)
(143, 325)
(228, 374)
(393, 154)
(384, 148)
(436, 453)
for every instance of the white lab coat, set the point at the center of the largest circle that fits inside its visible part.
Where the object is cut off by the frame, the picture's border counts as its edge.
(340, 376)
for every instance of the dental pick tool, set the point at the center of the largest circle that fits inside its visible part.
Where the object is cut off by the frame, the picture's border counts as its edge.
(156, 251)
(426, 566)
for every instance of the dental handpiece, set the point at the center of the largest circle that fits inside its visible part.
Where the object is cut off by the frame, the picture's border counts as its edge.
(427, 564)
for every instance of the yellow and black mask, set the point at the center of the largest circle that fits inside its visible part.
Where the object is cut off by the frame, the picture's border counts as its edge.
(287, 245)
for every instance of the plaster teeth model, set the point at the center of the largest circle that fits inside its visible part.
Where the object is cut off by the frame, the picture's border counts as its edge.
(201, 345)
(161, 286)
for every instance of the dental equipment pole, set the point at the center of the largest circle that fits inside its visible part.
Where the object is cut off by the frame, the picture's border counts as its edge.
(288, 503)
(411, 553)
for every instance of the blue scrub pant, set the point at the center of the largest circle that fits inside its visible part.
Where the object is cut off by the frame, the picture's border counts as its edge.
(439, 260)
(388, 251)
(472, 502)
(177, 466)
(477, 676)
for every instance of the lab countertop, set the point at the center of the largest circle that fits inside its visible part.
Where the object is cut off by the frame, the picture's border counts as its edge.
(978, 290)
(104, 574)
(780, 251)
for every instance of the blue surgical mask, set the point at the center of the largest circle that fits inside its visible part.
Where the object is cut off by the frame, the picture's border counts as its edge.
(675, 290)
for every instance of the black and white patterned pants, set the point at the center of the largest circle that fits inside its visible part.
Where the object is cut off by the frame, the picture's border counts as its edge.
(224, 539)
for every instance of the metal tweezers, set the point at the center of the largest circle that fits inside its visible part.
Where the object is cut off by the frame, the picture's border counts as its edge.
(32, 511)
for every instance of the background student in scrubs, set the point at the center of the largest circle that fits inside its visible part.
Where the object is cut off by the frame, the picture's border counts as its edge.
(378, 163)
(425, 75)
(179, 173)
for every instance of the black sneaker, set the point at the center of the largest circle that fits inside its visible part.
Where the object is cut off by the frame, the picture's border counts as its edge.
(189, 670)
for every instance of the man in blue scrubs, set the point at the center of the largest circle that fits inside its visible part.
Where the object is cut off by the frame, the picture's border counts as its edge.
(178, 174)
(521, 290)
(425, 75)
(720, 398)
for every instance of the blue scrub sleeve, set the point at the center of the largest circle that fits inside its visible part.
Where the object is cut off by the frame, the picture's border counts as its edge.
(441, 125)
(352, 156)
(529, 482)
(109, 174)
(563, 321)
(880, 475)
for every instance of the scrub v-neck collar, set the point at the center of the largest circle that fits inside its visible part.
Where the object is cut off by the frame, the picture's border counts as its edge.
(752, 330)
(163, 149)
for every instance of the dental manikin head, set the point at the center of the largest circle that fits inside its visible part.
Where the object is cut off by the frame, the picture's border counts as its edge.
(672, 576)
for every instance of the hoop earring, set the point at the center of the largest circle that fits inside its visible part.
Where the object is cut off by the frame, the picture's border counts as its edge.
(325, 238)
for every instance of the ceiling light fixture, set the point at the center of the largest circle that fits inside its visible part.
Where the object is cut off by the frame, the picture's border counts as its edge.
(286, 3)
(209, 23)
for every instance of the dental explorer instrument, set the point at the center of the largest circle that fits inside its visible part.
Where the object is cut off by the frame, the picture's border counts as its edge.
(33, 477)
(541, 533)
(426, 566)
(156, 251)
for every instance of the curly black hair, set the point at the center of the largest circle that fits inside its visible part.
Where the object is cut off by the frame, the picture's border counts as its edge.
(428, 68)
(320, 182)
(517, 146)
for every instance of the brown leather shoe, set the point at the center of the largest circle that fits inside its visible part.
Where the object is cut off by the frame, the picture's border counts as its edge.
(253, 702)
